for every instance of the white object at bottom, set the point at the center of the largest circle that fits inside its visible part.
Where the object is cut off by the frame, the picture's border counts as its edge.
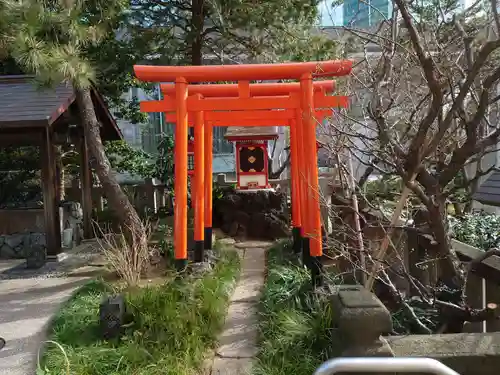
(377, 364)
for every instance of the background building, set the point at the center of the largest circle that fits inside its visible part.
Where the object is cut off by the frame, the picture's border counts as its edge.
(365, 14)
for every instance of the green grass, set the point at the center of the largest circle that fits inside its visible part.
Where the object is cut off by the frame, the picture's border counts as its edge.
(174, 325)
(295, 324)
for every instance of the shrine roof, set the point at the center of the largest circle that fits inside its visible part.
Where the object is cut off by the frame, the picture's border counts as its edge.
(251, 133)
(488, 192)
(25, 105)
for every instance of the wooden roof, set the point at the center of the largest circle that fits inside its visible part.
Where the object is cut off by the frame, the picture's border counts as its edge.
(489, 191)
(251, 133)
(25, 105)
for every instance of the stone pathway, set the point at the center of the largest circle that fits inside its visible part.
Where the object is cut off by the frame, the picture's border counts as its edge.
(26, 309)
(238, 341)
(28, 301)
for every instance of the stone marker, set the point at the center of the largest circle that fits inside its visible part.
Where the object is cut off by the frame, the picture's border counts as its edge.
(361, 319)
(36, 256)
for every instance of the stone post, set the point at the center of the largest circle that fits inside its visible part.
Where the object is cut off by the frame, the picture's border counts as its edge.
(361, 320)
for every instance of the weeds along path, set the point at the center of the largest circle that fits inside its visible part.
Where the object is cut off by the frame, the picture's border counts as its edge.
(238, 342)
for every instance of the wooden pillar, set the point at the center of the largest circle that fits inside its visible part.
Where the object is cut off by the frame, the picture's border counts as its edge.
(312, 196)
(181, 175)
(198, 186)
(86, 189)
(50, 199)
(208, 138)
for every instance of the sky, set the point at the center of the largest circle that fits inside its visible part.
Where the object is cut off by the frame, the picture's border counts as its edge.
(330, 16)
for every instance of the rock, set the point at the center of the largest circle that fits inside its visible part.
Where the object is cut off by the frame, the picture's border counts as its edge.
(112, 312)
(225, 227)
(6, 252)
(14, 240)
(228, 216)
(276, 201)
(234, 200)
(211, 257)
(200, 269)
(155, 257)
(258, 228)
(233, 229)
(277, 227)
(227, 241)
(242, 218)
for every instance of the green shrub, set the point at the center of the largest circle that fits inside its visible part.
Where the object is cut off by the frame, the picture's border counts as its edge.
(480, 230)
(295, 323)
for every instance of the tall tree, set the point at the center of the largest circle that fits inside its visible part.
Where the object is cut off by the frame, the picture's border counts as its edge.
(429, 104)
(49, 39)
(185, 32)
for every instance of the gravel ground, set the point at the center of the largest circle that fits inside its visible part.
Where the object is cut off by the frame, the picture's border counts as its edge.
(75, 258)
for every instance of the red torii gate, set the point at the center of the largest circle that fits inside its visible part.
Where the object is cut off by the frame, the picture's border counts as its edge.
(303, 104)
(251, 118)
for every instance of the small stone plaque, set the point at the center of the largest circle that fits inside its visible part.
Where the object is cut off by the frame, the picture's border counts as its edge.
(112, 314)
(36, 256)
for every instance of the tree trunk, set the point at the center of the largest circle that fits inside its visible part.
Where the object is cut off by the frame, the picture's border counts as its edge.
(276, 174)
(60, 175)
(450, 271)
(197, 22)
(123, 210)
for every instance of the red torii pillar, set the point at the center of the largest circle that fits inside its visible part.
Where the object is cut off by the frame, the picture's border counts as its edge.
(263, 89)
(302, 71)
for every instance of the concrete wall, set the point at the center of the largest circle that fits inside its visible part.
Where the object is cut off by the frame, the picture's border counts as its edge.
(466, 353)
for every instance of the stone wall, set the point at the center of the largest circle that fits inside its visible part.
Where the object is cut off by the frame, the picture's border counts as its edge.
(362, 323)
(13, 246)
(260, 214)
(23, 230)
(20, 229)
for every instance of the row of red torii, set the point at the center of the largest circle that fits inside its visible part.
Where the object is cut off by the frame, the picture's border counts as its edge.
(299, 105)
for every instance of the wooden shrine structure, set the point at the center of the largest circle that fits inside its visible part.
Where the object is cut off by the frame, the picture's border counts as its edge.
(33, 116)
